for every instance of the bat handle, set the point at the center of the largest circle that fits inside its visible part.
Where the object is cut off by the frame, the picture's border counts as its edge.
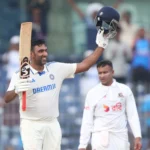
(23, 101)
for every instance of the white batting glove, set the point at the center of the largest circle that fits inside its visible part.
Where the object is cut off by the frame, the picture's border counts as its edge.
(101, 40)
(22, 85)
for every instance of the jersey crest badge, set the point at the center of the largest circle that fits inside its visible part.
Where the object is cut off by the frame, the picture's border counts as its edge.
(120, 95)
(51, 76)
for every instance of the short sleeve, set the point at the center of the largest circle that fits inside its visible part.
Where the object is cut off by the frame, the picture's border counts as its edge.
(68, 69)
(12, 82)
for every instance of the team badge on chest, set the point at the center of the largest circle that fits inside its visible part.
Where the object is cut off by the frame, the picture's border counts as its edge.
(51, 76)
(120, 95)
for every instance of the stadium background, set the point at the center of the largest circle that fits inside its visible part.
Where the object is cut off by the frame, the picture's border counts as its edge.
(64, 33)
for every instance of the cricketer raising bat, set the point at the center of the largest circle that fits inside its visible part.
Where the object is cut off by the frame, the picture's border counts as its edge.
(24, 55)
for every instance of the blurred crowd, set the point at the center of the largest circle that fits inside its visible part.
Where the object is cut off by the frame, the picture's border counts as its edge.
(37, 11)
(129, 51)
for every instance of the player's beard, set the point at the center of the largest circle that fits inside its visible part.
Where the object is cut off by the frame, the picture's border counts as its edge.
(42, 61)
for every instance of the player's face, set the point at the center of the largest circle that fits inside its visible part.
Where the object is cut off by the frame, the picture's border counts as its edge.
(106, 75)
(39, 54)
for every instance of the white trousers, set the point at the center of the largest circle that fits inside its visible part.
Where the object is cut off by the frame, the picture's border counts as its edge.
(105, 140)
(40, 135)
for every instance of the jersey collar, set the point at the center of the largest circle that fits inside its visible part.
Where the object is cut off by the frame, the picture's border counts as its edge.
(34, 71)
(112, 85)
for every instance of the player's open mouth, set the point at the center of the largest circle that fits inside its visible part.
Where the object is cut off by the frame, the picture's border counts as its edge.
(44, 58)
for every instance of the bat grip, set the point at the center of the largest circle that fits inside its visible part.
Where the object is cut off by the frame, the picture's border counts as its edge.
(23, 101)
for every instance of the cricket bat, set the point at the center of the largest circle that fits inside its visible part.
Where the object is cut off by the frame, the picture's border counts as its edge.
(24, 55)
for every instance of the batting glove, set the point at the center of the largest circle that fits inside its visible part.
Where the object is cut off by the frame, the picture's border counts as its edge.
(101, 40)
(22, 85)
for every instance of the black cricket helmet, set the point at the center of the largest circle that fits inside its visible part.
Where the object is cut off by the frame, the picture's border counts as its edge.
(107, 19)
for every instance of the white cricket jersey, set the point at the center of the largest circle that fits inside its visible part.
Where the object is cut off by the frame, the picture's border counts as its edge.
(42, 98)
(107, 108)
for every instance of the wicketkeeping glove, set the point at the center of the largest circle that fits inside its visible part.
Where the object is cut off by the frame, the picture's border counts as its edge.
(22, 85)
(101, 40)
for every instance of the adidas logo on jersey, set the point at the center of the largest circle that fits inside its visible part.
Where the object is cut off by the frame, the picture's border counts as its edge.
(33, 80)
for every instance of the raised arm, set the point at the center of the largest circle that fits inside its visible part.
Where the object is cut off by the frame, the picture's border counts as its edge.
(76, 8)
(102, 43)
(117, 3)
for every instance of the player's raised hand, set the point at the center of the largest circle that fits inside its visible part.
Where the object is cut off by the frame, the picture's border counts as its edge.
(101, 40)
(22, 85)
